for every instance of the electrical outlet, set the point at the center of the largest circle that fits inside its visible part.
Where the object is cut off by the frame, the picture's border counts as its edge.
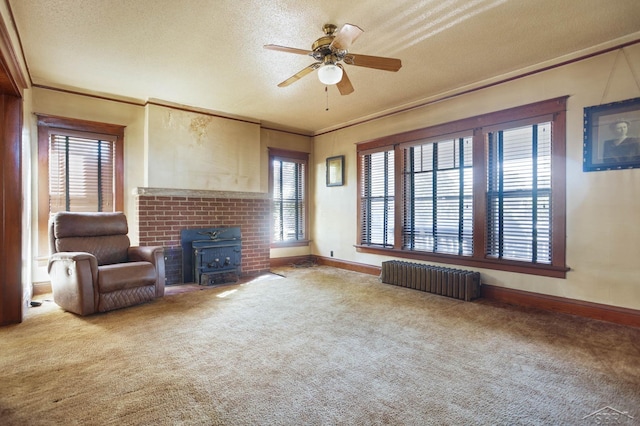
(331, 253)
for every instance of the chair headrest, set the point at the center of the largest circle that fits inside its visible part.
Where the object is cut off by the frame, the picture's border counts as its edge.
(74, 224)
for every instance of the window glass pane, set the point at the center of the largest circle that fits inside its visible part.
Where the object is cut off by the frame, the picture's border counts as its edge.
(289, 200)
(81, 174)
(519, 194)
(377, 199)
(438, 193)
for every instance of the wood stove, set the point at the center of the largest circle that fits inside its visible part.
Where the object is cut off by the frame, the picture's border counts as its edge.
(211, 256)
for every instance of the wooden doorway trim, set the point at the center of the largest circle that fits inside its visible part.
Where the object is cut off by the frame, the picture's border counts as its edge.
(11, 289)
(12, 85)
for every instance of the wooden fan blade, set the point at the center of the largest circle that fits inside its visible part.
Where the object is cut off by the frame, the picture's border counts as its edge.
(297, 76)
(377, 62)
(287, 49)
(345, 37)
(344, 85)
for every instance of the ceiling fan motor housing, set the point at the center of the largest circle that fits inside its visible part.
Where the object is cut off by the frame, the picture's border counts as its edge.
(321, 48)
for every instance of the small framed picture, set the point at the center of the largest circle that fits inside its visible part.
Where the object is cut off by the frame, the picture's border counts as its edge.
(335, 171)
(612, 136)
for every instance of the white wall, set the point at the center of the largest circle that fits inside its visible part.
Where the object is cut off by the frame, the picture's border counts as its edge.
(603, 221)
(190, 150)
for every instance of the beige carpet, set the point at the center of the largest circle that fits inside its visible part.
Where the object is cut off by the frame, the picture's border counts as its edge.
(320, 346)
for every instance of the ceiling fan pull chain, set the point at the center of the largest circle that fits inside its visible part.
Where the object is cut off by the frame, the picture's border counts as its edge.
(326, 91)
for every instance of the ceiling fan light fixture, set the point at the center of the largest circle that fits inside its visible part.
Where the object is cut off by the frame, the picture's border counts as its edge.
(329, 74)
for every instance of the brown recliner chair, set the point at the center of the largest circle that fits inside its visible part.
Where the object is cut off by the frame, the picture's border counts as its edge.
(93, 268)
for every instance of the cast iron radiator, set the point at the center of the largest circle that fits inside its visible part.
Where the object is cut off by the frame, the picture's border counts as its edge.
(459, 284)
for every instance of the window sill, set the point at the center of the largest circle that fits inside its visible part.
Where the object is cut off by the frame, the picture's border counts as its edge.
(500, 265)
(284, 244)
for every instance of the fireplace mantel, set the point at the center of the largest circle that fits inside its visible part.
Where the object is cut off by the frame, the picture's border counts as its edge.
(199, 193)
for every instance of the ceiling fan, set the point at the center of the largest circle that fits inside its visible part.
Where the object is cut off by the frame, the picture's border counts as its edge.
(329, 51)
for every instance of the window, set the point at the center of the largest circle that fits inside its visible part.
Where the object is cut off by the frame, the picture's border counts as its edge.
(288, 188)
(81, 172)
(376, 199)
(80, 169)
(438, 197)
(519, 193)
(485, 192)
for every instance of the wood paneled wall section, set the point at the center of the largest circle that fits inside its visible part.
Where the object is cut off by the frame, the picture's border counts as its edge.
(11, 308)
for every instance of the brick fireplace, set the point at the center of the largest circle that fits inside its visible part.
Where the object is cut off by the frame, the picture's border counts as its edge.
(164, 213)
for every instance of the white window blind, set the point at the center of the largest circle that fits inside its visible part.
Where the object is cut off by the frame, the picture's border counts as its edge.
(81, 173)
(519, 193)
(289, 200)
(377, 199)
(438, 197)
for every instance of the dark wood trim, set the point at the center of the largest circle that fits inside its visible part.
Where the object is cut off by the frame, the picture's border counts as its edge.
(358, 218)
(500, 265)
(67, 123)
(288, 154)
(293, 243)
(13, 297)
(349, 266)
(11, 289)
(479, 191)
(398, 196)
(290, 132)
(42, 288)
(12, 80)
(279, 262)
(527, 112)
(558, 189)
(89, 95)
(598, 311)
(325, 261)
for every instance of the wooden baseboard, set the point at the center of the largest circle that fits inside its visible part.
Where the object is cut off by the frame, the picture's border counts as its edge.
(326, 261)
(349, 266)
(545, 302)
(41, 288)
(279, 262)
(598, 311)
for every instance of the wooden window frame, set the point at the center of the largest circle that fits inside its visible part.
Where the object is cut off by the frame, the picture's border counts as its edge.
(556, 108)
(301, 157)
(435, 174)
(47, 123)
(366, 200)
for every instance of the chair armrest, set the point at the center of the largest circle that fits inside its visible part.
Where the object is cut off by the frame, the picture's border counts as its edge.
(155, 255)
(74, 277)
(145, 253)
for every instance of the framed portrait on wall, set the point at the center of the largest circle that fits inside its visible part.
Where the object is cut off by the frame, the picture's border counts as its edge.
(335, 171)
(612, 136)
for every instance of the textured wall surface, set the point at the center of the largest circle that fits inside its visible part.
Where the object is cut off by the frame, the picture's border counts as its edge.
(199, 151)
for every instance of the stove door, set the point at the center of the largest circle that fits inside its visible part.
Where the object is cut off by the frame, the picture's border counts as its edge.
(218, 258)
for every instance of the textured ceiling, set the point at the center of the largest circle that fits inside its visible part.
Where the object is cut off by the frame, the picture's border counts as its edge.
(209, 53)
